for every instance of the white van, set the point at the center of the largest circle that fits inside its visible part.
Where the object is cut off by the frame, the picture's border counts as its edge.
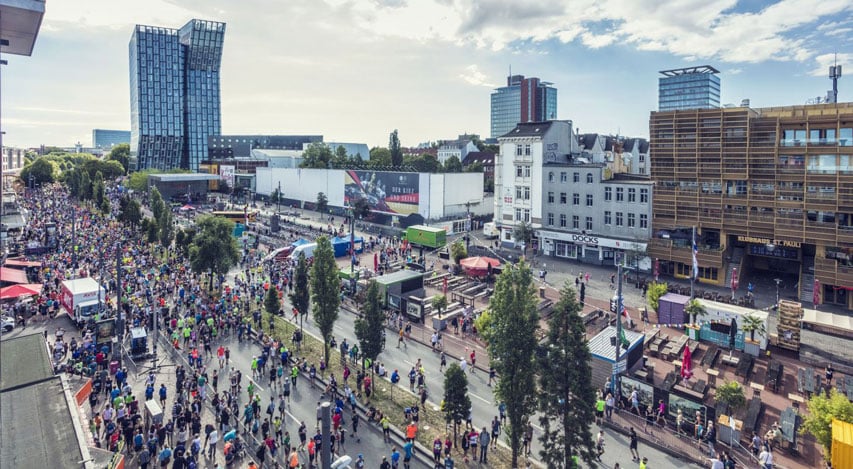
(490, 230)
(308, 249)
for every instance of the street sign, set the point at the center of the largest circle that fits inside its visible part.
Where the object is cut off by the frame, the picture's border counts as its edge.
(620, 366)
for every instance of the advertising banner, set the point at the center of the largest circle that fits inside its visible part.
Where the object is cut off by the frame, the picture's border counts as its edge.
(226, 173)
(385, 192)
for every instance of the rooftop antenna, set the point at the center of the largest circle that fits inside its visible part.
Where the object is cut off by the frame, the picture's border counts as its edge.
(834, 75)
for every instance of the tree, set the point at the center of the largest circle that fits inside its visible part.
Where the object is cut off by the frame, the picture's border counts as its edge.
(565, 386)
(213, 247)
(151, 230)
(156, 203)
(184, 239)
(370, 326)
(98, 190)
(453, 165)
(272, 304)
(457, 404)
(341, 158)
(121, 154)
(322, 202)
(822, 410)
(325, 290)
(43, 171)
(105, 206)
(654, 292)
(394, 148)
(300, 298)
(523, 233)
(693, 308)
(731, 394)
(424, 163)
(379, 157)
(167, 228)
(439, 302)
(361, 208)
(275, 197)
(475, 167)
(458, 251)
(753, 324)
(512, 343)
(130, 211)
(317, 155)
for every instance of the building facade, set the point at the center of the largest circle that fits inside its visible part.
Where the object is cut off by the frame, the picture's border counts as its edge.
(106, 139)
(241, 146)
(174, 89)
(13, 158)
(458, 148)
(522, 100)
(689, 88)
(769, 191)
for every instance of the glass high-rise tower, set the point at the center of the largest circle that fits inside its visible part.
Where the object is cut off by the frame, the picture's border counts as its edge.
(689, 88)
(174, 93)
(522, 100)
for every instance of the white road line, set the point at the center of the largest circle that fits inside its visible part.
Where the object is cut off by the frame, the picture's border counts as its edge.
(480, 398)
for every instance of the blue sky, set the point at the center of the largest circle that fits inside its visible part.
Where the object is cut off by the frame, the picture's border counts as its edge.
(353, 70)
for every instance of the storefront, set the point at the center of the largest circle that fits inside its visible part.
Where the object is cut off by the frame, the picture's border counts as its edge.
(591, 249)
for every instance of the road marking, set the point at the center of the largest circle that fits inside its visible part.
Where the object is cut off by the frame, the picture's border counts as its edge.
(480, 398)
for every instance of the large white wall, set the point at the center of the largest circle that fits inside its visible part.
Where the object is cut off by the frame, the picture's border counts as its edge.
(303, 184)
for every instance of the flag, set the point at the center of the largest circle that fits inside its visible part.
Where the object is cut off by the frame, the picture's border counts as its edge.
(695, 252)
(623, 339)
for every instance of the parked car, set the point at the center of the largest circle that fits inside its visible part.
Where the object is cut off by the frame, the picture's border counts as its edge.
(7, 324)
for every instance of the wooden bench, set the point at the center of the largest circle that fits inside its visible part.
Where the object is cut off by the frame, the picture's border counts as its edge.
(693, 345)
(689, 392)
(642, 374)
(711, 356)
(730, 360)
(753, 412)
(744, 367)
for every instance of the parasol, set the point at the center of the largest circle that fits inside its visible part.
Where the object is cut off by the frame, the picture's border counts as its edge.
(375, 262)
(732, 334)
(686, 364)
(19, 290)
(479, 265)
(187, 207)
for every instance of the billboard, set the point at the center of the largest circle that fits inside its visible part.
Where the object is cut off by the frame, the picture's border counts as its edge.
(385, 192)
(226, 173)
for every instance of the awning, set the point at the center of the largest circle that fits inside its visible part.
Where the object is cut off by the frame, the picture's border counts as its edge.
(9, 275)
(22, 263)
(823, 318)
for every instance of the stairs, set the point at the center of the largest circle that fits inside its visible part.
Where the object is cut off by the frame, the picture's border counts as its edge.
(737, 257)
(807, 281)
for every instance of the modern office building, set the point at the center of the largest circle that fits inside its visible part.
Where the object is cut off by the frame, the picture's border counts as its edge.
(582, 205)
(106, 139)
(522, 100)
(241, 146)
(689, 88)
(769, 191)
(174, 90)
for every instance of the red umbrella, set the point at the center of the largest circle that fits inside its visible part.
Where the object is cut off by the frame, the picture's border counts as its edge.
(445, 286)
(187, 207)
(16, 291)
(479, 265)
(375, 262)
(686, 365)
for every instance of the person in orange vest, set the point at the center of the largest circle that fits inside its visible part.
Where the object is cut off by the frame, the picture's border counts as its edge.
(311, 453)
(411, 431)
(294, 459)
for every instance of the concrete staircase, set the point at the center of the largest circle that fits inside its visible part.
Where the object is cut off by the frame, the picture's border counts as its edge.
(807, 281)
(737, 258)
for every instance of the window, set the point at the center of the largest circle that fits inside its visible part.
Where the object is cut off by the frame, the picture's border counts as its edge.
(644, 196)
(588, 223)
(517, 193)
(632, 195)
(562, 197)
(642, 157)
(563, 220)
(607, 217)
(527, 149)
(550, 197)
(518, 214)
(631, 221)
(589, 200)
(589, 178)
(527, 171)
(576, 199)
(608, 194)
(551, 176)
(619, 196)
(518, 150)
(526, 193)
(644, 221)
(845, 137)
(576, 177)
(575, 222)
(618, 218)
(564, 176)
(526, 215)
(550, 219)
(518, 171)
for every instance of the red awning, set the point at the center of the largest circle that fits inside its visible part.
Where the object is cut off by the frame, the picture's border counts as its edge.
(22, 263)
(12, 275)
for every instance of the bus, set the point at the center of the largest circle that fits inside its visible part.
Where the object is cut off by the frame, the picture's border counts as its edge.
(237, 216)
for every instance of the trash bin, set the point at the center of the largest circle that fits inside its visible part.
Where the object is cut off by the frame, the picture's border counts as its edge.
(113, 367)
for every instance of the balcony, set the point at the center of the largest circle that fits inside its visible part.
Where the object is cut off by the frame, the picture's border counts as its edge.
(679, 251)
(830, 272)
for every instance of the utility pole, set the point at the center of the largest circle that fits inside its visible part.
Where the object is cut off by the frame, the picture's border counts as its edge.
(326, 427)
(73, 237)
(278, 199)
(614, 378)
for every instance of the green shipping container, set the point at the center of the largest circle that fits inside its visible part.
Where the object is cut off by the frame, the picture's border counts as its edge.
(426, 236)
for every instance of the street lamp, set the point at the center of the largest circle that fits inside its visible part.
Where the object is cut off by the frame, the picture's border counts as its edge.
(778, 281)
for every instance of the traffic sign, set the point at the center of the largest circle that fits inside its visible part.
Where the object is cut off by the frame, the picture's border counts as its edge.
(620, 366)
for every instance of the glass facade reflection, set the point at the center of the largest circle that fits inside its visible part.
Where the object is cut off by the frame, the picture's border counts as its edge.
(689, 88)
(522, 100)
(174, 88)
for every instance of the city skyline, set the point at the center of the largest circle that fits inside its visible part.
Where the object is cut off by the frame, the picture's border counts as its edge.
(354, 71)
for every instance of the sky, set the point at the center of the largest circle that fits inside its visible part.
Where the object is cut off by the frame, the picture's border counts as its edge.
(354, 70)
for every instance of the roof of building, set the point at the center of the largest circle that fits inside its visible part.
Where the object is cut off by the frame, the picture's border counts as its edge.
(486, 158)
(684, 71)
(398, 276)
(587, 141)
(529, 129)
(20, 22)
(608, 142)
(600, 346)
(27, 349)
(183, 177)
(629, 178)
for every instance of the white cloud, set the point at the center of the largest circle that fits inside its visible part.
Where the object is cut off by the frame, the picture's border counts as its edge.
(734, 71)
(823, 62)
(474, 76)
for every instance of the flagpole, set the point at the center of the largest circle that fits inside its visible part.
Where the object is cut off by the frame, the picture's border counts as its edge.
(695, 265)
(613, 380)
